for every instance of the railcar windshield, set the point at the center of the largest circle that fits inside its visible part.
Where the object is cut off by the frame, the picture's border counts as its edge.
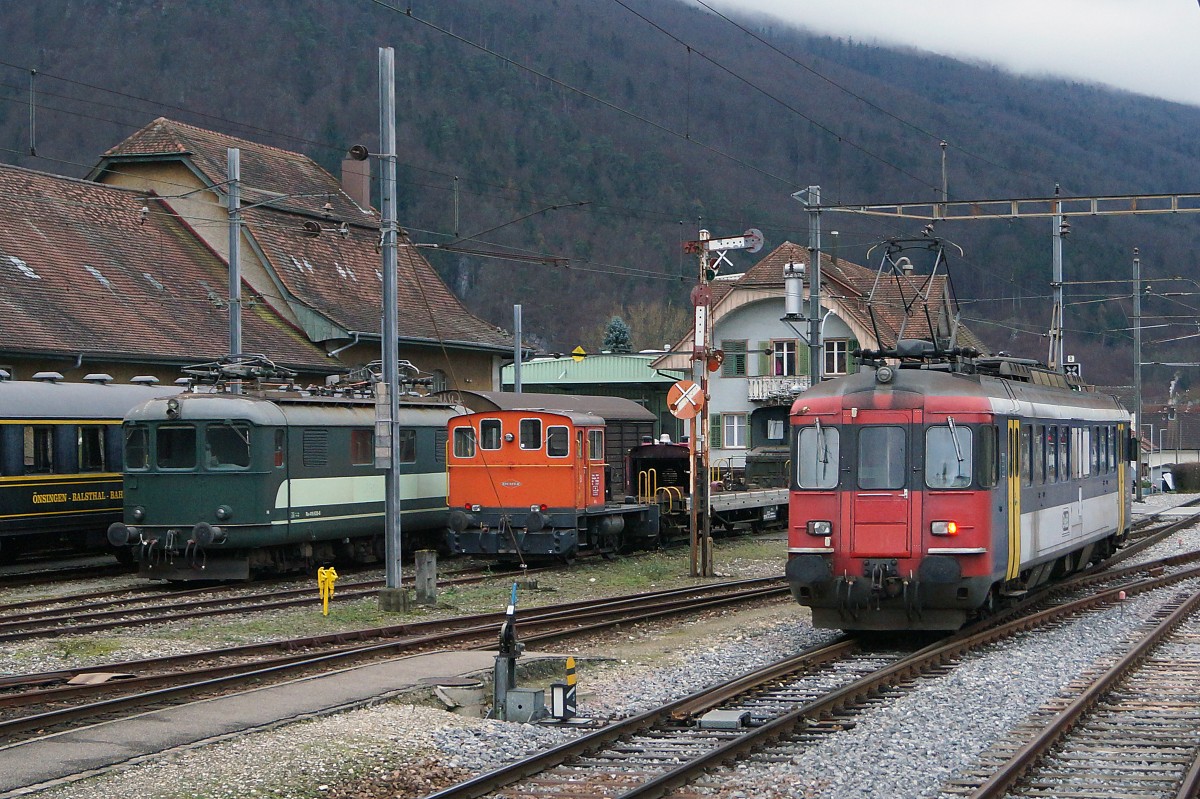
(818, 451)
(882, 457)
(949, 459)
(227, 446)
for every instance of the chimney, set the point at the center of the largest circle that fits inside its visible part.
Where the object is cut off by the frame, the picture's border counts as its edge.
(356, 180)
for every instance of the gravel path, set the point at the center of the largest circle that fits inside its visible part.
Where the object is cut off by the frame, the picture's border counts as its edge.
(904, 749)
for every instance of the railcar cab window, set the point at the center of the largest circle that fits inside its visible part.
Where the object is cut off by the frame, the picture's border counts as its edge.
(882, 455)
(595, 445)
(176, 447)
(558, 441)
(949, 456)
(531, 433)
(227, 446)
(464, 442)
(489, 434)
(818, 451)
(137, 447)
(406, 445)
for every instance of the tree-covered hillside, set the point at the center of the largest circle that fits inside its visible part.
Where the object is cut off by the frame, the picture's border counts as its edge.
(605, 132)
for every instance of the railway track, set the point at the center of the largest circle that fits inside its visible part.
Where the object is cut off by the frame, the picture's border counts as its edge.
(28, 705)
(788, 705)
(1132, 729)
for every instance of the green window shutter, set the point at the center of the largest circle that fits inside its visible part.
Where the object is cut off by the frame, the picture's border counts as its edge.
(735, 359)
(802, 356)
(714, 430)
(765, 358)
(851, 363)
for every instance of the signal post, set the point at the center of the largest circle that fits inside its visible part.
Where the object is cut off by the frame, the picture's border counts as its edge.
(691, 397)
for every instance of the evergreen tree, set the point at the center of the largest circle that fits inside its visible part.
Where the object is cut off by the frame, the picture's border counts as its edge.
(617, 337)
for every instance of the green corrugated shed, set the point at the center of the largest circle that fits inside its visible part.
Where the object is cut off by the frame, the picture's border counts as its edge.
(606, 375)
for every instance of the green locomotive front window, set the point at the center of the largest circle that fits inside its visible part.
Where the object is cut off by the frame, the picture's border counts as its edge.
(949, 456)
(227, 446)
(818, 451)
(175, 447)
(137, 447)
(882, 456)
(91, 448)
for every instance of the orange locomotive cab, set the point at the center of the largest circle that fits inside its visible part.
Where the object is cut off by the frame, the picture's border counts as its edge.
(533, 483)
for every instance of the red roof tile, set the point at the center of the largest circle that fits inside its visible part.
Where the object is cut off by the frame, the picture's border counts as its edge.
(83, 270)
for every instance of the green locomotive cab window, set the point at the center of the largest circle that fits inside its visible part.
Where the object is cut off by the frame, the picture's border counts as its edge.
(227, 446)
(531, 434)
(558, 441)
(882, 457)
(818, 450)
(175, 447)
(489, 434)
(39, 449)
(464, 442)
(137, 447)
(280, 448)
(362, 447)
(949, 456)
(90, 441)
(406, 445)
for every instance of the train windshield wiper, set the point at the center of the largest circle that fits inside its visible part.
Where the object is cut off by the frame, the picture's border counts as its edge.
(822, 451)
(954, 437)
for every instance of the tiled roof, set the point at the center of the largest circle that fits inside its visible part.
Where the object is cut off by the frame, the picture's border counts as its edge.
(82, 270)
(337, 277)
(288, 180)
(852, 285)
(341, 278)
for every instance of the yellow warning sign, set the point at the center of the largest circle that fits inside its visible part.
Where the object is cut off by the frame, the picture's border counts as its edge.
(578, 354)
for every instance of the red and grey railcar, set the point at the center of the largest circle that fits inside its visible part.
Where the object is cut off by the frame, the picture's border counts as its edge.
(925, 493)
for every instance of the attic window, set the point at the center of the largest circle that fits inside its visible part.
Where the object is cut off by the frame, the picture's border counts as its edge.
(24, 267)
(96, 274)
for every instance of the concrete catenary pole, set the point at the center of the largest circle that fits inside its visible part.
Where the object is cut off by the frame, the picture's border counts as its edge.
(392, 597)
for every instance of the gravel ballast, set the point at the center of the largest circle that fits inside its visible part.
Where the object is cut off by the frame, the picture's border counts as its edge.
(905, 748)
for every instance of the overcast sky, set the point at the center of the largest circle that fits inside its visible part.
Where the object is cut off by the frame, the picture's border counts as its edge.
(1147, 46)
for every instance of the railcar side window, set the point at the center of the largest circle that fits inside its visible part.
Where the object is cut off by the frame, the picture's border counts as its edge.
(818, 451)
(406, 445)
(882, 456)
(949, 457)
(595, 445)
(531, 434)
(1039, 454)
(1026, 455)
(39, 449)
(90, 445)
(137, 447)
(489, 434)
(989, 456)
(558, 441)
(464, 442)
(227, 446)
(176, 447)
(1051, 453)
(12, 461)
(1064, 453)
(362, 447)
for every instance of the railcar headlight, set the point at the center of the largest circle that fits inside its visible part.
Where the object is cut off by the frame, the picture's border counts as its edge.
(138, 513)
(820, 528)
(943, 528)
(224, 512)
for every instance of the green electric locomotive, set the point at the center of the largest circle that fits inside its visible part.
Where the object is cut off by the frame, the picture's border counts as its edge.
(221, 485)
